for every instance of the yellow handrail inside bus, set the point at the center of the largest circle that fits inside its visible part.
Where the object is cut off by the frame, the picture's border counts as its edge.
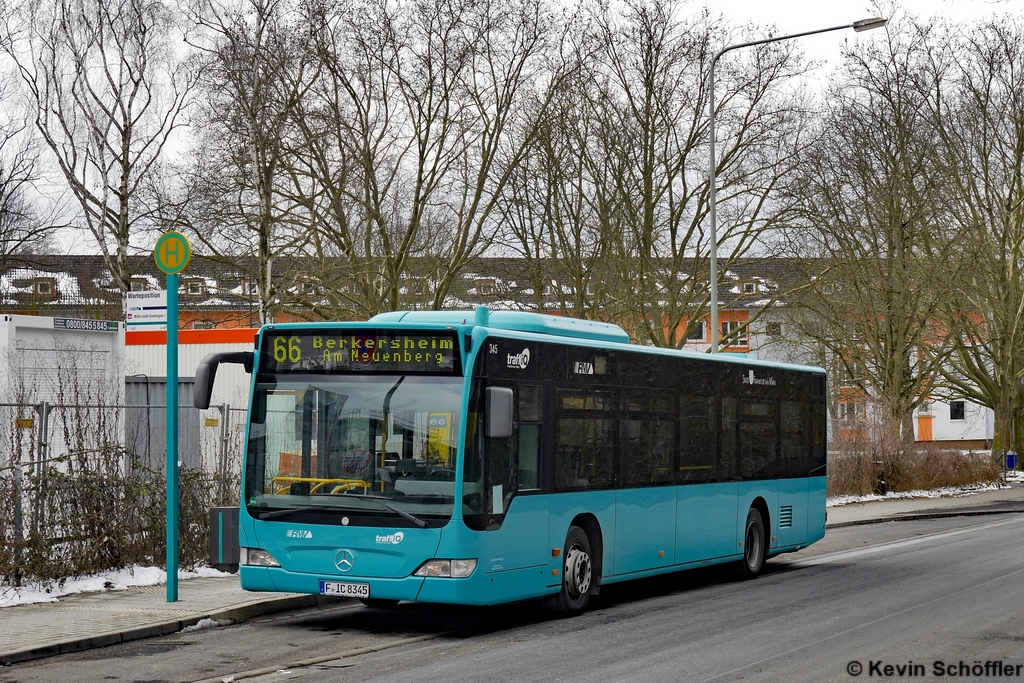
(342, 484)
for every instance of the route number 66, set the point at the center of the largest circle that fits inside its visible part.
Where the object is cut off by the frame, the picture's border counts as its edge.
(287, 350)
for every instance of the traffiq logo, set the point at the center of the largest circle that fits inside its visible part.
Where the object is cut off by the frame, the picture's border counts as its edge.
(393, 539)
(519, 360)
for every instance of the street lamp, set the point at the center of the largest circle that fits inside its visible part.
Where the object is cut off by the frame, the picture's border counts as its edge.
(862, 25)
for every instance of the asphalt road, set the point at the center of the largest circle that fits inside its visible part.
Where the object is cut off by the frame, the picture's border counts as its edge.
(926, 594)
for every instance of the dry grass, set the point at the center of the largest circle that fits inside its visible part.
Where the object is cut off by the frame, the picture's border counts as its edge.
(858, 467)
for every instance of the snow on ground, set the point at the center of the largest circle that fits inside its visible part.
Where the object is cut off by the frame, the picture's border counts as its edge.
(1015, 476)
(943, 492)
(107, 581)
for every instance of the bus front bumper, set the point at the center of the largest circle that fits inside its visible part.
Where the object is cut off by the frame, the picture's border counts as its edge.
(477, 589)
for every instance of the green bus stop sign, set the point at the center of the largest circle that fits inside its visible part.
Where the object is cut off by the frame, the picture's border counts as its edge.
(172, 252)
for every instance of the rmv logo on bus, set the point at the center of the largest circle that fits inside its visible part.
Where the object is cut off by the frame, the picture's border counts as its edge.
(519, 360)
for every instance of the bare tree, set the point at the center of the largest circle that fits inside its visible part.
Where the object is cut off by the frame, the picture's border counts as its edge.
(621, 177)
(108, 90)
(424, 111)
(980, 118)
(260, 64)
(24, 228)
(884, 257)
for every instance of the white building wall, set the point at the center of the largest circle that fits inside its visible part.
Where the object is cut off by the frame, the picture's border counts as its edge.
(75, 365)
(232, 386)
(977, 424)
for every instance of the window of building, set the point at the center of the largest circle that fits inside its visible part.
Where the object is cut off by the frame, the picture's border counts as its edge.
(546, 290)
(728, 327)
(957, 410)
(925, 409)
(194, 288)
(418, 286)
(203, 325)
(485, 286)
(139, 284)
(45, 287)
(850, 411)
(308, 288)
(773, 329)
(591, 290)
(750, 288)
(250, 287)
(697, 333)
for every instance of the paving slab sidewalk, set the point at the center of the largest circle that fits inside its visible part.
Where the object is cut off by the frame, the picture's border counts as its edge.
(91, 620)
(1010, 499)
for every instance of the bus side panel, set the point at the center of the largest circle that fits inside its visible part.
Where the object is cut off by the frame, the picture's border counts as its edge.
(749, 491)
(815, 508)
(516, 544)
(792, 512)
(564, 507)
(705, 521)
(645, 528)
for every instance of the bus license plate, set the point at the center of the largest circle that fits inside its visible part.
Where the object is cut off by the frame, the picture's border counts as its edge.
(345, 590)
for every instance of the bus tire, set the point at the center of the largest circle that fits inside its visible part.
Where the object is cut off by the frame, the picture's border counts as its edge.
(754, 547)
(378, 602)
(577, 573)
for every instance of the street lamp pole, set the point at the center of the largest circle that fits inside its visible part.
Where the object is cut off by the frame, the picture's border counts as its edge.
(862, 25)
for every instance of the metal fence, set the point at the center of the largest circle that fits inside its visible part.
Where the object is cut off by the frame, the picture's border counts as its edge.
(84, 483)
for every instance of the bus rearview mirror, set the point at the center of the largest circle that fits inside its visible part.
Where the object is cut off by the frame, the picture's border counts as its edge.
(499, 412)
(207, 372)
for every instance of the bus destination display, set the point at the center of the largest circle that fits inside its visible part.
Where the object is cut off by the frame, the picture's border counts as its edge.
(359, 351)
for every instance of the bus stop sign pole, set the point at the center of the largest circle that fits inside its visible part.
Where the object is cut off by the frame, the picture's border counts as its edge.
(172, 254)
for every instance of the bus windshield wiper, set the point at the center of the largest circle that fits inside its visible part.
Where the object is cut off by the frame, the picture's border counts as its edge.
(381, 500)
(304, 508)
(376, 499)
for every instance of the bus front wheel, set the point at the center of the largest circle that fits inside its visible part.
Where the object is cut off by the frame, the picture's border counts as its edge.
(754, 548)
(577, 573)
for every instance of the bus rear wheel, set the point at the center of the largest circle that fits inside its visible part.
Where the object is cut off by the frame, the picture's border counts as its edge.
(577, 573)
(754, 547)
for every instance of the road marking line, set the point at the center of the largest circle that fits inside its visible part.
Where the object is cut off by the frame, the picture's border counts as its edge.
(252, 673)
(892, 545)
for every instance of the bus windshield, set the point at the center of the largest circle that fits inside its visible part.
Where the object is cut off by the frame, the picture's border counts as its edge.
(364, 450)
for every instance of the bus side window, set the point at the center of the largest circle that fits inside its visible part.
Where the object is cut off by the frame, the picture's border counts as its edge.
(698, 430)
(530, 399)
(728, 450)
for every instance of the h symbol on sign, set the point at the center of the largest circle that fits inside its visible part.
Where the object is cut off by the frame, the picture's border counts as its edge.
(171, 255)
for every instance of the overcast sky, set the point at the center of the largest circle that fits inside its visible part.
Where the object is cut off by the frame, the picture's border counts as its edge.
(796, 16)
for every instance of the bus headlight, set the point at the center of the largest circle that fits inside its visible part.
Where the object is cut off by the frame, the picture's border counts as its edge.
(449, 569)
(255, 557)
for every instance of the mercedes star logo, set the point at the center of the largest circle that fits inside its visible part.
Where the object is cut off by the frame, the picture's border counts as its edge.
(344, 560)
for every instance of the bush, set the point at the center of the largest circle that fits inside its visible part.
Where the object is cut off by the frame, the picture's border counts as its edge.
(95, 520)
(860, 466)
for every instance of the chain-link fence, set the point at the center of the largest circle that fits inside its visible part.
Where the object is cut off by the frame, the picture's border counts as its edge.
(82, 487)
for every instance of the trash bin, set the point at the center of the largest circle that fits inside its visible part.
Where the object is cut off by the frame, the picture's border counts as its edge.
(224, 539)
(1011, 461)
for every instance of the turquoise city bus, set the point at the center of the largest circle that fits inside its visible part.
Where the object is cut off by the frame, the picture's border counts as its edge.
(484, 457)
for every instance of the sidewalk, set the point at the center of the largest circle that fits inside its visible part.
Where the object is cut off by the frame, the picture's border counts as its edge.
(91, 620)
(986, 503)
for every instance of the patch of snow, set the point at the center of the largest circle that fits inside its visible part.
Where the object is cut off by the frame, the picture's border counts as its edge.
(1014, 476)
(118, 580)
(943, 492)
(204, 624)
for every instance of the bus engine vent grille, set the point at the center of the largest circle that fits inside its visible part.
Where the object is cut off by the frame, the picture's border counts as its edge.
(786, 516)
(818, 386)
